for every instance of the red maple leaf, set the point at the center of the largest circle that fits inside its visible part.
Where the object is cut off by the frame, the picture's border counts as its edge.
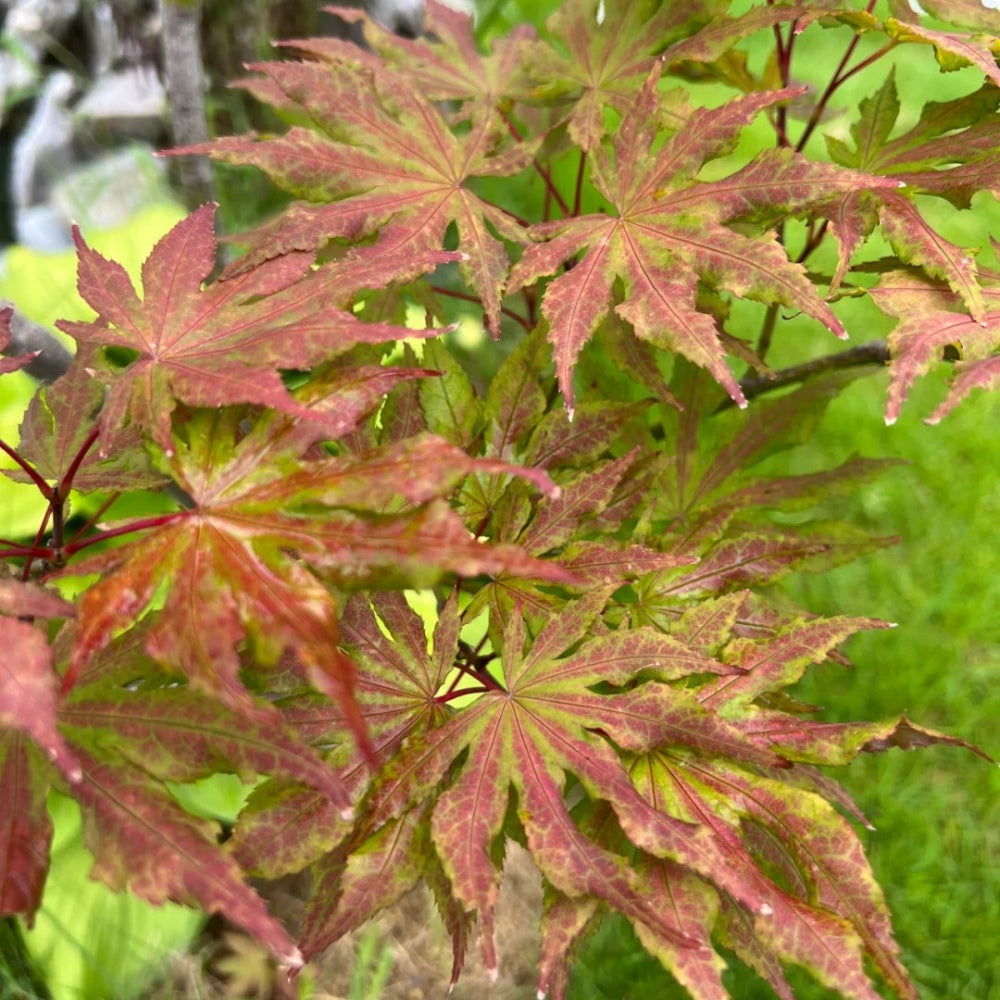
(223, 343)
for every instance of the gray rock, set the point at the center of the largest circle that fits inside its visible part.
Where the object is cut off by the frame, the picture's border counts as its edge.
(128, 103)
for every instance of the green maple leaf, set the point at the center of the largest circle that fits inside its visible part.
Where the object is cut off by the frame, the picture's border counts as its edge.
(667, 231)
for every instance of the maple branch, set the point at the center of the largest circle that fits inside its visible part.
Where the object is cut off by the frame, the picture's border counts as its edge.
(840, 75)
(141, 525)
(875, 352)
(81, 454)
(536, 163)
(43, 486)
(578, 193)
(466, 297)
(97, 515)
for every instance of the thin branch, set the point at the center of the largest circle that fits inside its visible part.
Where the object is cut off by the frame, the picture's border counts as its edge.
(43, 486)
(140, 525)
(875, 352)
(466, 297)
(541, 170)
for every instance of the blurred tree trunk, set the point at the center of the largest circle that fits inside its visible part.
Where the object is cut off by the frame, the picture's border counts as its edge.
(184, 79)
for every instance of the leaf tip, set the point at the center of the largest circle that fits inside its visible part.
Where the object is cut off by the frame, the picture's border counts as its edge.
(541, 995)
(892, 624)
(293, 960)
(494, 973)
(868, 826)
(889, 421)
(766, 910)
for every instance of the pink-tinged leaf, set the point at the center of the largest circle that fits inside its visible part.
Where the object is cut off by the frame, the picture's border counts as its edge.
(25, 827)
(283, 828)
(29, 691)
(141, 840)
(56, 428)
(796, 930)
(736, 929)
(694, 904)
(907, 736)
(274, 316)
(745, 561)
(776, 663)
(917, 344)
(28, 600)
(723, 32)
(831, 858)
(608, 562)
(914, 240)
(11, 364)
(615, 658)
(657, 715)
(183, 736)
(564, 921)
(970, 375)
(571, 862)
(467, 818)
(953, 50)
(418, 469)
(838, 743)
(347, 892)
(666, 233)
(384, 157)
(558, 518)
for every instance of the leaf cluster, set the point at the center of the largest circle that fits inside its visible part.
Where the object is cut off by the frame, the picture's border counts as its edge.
(600, 672)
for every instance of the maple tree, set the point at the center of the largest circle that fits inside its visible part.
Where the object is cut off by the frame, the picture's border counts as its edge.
(605, 679)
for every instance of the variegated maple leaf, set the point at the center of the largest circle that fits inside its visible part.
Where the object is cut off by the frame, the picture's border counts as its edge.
(531, 731)
(667, 231)
(953, 151)
(264, 529)
(380, 159)
(223, 343)
(931, 318)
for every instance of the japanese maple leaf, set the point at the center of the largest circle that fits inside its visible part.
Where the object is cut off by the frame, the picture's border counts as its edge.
(931, 317)
(242, 563)
(10, 364)
(666, 233)
(53, 437)
(609, 51)
(533, 732)
(445, 63)
(379, 158)
(25, 826)
(29, 687)
(287, 825)
(830, 912)
(951, 152)
(221, 344)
